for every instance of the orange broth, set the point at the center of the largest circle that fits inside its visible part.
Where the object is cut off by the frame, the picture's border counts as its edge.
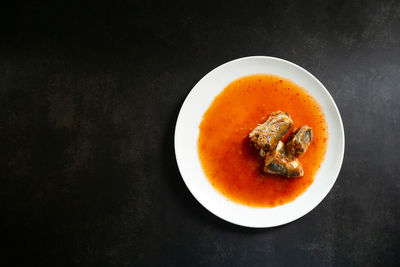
(232, 164)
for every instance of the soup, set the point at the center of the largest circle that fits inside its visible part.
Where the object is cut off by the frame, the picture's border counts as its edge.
(232, 164)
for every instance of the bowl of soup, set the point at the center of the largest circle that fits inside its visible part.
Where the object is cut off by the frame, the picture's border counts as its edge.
(217, 161)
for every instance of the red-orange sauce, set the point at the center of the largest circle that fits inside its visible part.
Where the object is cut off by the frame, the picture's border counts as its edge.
(232, 165)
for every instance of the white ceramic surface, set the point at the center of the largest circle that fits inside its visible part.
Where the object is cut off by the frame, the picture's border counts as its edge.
(187, 132)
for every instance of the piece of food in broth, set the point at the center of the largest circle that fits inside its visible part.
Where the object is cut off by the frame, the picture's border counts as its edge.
(276, 162)
(299, 142)
(267, 135)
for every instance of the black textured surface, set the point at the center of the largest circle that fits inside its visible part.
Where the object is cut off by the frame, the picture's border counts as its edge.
(89, 98)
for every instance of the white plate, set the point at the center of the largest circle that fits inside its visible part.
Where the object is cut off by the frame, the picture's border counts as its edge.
(187, 132)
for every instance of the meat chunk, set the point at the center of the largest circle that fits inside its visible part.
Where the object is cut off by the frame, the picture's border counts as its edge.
(267, 135)
(276, 162)
(280, 158)
(299, 142)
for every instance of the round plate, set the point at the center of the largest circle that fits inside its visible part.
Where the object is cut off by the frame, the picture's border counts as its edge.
(187, 132)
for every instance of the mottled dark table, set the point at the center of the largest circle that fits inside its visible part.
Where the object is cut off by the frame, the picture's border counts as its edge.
(89, 99)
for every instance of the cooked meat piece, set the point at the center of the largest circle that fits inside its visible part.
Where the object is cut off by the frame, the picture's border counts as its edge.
(280, 158)
(276, 162)
(267, 135)
(299, 142)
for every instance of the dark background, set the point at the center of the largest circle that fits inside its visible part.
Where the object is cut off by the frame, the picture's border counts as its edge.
(90, 94)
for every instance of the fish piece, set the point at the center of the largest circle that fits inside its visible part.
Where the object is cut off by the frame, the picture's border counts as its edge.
(267, 135)
(276, 162)
(299, 142)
